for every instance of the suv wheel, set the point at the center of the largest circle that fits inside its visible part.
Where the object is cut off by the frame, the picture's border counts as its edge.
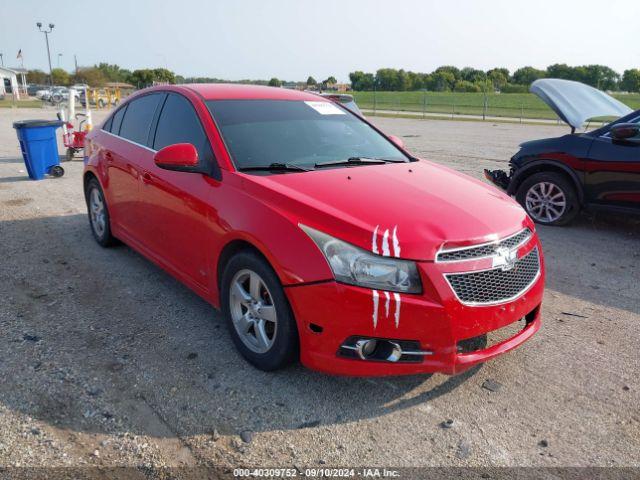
(98, 214)
(549, 198)
(259, 317)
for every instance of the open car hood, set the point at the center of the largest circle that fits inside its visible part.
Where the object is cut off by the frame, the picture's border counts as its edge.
(575, 102)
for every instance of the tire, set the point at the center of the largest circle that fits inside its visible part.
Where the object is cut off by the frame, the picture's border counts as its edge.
(243, 316)
(101, 230)
(549, 198)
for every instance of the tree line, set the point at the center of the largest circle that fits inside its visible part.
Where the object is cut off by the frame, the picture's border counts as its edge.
(468, 79)
(442, 79)
(102, 73)
(98, 75)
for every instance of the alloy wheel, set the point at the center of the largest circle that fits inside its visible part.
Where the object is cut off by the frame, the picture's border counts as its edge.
(97, 211)
(545, 202)
(253, 312)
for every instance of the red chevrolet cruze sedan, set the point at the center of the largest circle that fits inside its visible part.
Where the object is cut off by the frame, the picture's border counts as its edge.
(318, 236)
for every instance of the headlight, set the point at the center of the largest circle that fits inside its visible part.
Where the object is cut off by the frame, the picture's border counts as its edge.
(356, 266)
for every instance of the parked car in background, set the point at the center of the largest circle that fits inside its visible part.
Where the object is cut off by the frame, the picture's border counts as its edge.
(60, 94)
(44, 93)
(344, 99)
(33, 89)
(554, 178)
(318, 236)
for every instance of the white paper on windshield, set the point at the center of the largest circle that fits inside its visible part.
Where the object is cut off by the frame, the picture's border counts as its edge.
(325, 108)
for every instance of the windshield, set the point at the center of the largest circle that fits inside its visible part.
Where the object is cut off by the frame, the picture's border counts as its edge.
(299, 133)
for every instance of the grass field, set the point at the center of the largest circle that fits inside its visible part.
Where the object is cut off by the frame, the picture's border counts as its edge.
(10, 103)
(514, 105)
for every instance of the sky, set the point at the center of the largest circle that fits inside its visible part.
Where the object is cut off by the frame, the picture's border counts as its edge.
(292, 39)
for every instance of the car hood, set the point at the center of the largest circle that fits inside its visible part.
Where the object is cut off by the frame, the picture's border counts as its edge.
(415, 207)
(575, 102)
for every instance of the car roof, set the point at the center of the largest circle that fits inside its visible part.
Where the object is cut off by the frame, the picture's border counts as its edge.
(235, 91)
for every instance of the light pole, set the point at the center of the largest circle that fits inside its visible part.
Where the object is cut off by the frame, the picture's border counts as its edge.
(59, 55)
(2, 59)
(46, 37)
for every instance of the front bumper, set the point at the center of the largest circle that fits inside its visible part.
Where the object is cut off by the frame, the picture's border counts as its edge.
(499, 178)
(329, 313)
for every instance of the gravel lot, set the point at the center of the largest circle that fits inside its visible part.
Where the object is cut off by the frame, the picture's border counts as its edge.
(106, 360)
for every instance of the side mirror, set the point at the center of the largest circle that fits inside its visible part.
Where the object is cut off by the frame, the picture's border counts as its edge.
(397, 140)
(182, 157)
(628, 132)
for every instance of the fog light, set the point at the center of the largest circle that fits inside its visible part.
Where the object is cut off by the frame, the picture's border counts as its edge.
(366, 348)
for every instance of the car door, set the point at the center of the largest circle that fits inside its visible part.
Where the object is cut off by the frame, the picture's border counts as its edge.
(122, 177)
(612, 172)
(124, 158)
(177, 207)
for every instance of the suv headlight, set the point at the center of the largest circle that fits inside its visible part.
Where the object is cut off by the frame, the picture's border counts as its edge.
(356, 266)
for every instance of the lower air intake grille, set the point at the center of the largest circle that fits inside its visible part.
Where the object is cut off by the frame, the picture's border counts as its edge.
(497, 285)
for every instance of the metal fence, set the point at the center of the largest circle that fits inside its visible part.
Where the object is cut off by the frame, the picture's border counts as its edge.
(472, 106)
(519, 107)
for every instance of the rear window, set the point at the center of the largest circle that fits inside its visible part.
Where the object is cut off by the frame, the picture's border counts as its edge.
(114, 126)
(138, 118)
(107, 125)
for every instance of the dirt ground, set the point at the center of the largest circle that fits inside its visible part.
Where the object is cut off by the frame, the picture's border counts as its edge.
(106, 360)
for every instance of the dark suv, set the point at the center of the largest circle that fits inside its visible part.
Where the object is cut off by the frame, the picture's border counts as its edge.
(554, 178)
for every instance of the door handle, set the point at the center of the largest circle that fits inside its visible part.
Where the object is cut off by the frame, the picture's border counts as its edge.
(108, 156)
(146, 177)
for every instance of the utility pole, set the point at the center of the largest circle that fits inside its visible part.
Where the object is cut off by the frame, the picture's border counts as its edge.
(75, 61)
(1, 59)
(46, 37)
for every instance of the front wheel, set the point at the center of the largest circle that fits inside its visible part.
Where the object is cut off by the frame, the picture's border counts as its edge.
(549, 198)
(260, 320)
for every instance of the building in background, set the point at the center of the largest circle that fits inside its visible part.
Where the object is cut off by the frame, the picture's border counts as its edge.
(13, 81)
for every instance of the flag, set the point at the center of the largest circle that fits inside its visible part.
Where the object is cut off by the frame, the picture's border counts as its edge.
(19, 54)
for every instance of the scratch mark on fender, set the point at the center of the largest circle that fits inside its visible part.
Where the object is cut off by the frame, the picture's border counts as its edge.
(385, 243)
(375, 308)
(396, 243)
(375, 295)
(396, 297)
(374, 243)
(386, 305)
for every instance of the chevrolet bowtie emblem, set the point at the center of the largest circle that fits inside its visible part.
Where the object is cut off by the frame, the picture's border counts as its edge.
(505, 259)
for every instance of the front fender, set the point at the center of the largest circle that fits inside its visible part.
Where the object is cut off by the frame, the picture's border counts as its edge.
(547, 164)
(275, 233)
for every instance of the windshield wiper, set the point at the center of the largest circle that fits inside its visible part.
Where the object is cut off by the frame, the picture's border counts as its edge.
(275, 167)
(359, 161)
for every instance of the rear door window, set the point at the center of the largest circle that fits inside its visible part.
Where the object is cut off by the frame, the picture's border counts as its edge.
(138, 118)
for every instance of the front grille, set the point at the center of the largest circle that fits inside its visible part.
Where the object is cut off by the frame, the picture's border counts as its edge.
(485, 250)
(497, 285)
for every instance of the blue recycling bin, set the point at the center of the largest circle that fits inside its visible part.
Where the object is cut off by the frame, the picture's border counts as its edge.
(39, 147)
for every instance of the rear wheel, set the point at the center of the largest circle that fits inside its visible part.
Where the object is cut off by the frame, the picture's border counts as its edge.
(549, 198)
(260, 320)
(98, 214)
